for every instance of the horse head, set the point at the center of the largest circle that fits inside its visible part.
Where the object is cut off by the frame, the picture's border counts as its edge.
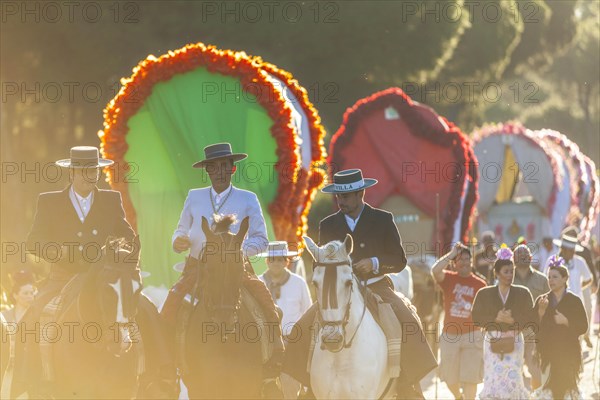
(224, 268)
(115, 289)
(334, 282)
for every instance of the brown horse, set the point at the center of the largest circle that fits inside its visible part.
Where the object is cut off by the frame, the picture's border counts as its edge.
(88, 342)
(222, 346)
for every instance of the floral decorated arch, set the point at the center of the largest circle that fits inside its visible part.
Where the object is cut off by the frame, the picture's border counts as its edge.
(585, 196)
(497, 146)
(174, 105)
(591, 201)
(545, 183)
(423, 162)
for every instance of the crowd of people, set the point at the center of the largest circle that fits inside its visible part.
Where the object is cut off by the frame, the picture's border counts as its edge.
(505, 309)
(532, 315)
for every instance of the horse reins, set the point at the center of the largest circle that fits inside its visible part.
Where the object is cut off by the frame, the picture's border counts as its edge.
(125, 284)
(346, 318)
(103, 314)
(207, 304)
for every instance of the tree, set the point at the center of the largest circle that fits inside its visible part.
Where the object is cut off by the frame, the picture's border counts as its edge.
(567, 91)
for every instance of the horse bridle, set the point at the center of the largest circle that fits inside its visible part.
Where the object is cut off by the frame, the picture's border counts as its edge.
(346, 317)
(210, 307)
(123, 275)
(103, 313)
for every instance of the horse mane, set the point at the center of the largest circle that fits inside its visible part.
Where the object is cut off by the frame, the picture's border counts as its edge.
(223, 222)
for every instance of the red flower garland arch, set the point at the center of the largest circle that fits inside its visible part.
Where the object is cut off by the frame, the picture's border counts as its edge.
(452, 137)
(254, 80)
(308, 181)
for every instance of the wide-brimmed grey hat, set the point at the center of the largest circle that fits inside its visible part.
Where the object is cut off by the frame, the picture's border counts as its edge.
(277, 249)
(84, 157)
(217, 151)
(568, 242)
(347, 181)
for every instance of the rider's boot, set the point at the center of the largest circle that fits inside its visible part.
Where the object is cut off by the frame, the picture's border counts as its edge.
(271, 389)
(405, 390)
(306, 393)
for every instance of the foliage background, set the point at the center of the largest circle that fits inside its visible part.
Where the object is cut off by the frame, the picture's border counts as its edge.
(543, 55)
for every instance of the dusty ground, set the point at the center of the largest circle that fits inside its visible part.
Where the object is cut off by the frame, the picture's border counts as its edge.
(589, 385)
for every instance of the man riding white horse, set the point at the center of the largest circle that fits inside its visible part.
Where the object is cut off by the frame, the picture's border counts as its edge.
(377, 251)
(354, 356)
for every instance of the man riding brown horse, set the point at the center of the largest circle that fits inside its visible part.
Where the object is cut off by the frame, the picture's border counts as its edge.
(222, 198)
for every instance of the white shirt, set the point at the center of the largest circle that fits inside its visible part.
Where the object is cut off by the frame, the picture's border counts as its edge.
(219, 197)
(294, 301)
(578, 273)
(81, 204)
(352, 222)
(352, 225)
(241, 203)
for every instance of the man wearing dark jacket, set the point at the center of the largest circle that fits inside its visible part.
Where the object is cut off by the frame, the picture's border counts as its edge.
(72, 225)
(377, 251)
(69, 230)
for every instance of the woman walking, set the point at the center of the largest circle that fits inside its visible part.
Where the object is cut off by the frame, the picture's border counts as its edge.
(562, 319)
(503, 311)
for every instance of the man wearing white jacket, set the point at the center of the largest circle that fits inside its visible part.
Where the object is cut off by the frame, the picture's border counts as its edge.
(221, 198)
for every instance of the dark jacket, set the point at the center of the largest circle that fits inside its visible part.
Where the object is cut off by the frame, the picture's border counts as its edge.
(558, 345)
(56, 223)
(375, 235)
(487, 303)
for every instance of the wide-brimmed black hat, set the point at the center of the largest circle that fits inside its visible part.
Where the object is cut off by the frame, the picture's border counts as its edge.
(84, 157)
(217, 151)
(347, 181)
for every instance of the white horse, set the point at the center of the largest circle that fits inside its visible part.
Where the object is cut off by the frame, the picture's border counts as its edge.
(350, 357)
